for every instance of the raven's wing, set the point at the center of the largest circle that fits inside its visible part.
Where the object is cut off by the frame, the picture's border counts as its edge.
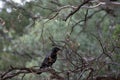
(47, 61)
(44, 63)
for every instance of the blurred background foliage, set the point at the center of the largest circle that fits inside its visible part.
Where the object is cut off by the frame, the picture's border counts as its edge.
(30, 29)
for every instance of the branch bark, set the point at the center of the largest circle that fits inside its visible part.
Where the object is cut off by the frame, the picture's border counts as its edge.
(15, 71)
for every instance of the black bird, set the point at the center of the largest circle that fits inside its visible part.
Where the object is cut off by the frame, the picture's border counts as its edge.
(113, 0)
(50, 58)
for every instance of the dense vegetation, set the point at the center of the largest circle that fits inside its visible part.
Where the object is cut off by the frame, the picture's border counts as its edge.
(87, 31)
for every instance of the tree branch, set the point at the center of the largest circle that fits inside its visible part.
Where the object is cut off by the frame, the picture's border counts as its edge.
(15, 71)
(72, 13)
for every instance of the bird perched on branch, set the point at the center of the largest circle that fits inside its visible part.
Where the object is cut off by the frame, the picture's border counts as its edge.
(107, 0)
(113, 0)
(50, 58)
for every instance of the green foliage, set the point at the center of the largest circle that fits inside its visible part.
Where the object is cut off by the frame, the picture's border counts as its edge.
(30, 43)
(8, 59)
(14, 20)
(117, 31)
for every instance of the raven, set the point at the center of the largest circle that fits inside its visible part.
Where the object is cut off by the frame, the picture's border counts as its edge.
(50, 58)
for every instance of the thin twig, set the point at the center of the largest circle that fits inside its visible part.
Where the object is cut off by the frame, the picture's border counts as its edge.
(77, 9)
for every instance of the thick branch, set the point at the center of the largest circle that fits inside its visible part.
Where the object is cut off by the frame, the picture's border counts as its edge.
(14, 71)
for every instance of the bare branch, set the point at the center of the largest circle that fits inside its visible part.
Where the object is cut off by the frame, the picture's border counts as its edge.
(15, 71)
(77, 9)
